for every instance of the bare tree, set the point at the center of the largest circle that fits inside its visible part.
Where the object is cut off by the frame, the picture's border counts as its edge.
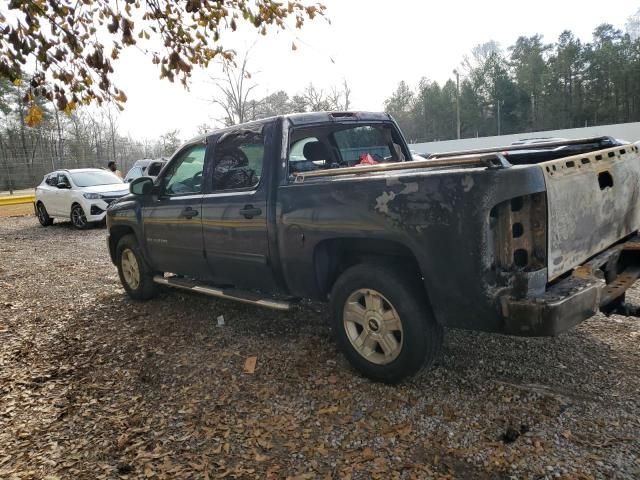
(112, 126)
(315, 98)
(234, 88)
(339, 97)
(633, 25)
(480, 55)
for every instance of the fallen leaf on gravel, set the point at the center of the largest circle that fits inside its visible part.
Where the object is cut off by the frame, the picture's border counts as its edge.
(327, 410)
(367, 454)
(98, 386)
(250, 364)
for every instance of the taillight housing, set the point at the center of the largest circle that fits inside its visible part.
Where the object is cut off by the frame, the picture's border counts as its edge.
(519, 230)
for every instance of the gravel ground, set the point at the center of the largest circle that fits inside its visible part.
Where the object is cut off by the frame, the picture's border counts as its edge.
(93, 385)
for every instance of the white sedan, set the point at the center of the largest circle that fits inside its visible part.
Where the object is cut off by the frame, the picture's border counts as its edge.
(81, 194)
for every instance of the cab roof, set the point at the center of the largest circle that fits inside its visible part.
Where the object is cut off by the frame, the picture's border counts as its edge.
(301, 119)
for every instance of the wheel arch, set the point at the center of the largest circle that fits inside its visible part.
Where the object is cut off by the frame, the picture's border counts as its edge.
(115, 235)
(333, 256)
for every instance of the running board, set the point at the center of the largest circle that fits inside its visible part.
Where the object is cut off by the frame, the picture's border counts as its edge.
(228, 293)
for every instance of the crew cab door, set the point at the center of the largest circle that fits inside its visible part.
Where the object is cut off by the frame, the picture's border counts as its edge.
(234, 212)
(172, 220)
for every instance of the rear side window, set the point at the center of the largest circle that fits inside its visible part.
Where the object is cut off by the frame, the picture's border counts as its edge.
(238, 161)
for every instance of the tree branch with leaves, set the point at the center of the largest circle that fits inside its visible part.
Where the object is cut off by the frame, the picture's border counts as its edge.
(67, 47)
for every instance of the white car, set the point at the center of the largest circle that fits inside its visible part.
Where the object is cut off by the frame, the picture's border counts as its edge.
(81, 194)
(145, 168)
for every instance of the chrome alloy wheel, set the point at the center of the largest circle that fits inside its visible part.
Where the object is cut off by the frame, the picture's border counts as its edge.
(130, 268)
(78, 217)
(373, 326)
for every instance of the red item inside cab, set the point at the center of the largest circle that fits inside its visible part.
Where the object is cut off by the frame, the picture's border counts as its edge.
(366, 159)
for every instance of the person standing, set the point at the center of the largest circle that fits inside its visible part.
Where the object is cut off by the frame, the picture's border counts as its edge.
(114, 169)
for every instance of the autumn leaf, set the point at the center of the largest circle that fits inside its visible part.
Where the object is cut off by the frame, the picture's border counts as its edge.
(70, 107)
(34, 116)
(121, 97)
(250, 364)
(327, 410)
(58, 37)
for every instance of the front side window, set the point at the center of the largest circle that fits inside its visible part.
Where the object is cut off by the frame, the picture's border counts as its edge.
(62, 178)
(238, 161)
(185, 174)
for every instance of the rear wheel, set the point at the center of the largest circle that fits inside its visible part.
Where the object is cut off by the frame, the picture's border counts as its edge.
(136, 277)
(43, 216)
(383, 323)
(78, 218)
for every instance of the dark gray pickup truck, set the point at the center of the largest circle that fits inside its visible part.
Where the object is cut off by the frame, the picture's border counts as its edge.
(528, 239)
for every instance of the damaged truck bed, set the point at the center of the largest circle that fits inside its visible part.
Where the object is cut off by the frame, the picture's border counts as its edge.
(527, 239)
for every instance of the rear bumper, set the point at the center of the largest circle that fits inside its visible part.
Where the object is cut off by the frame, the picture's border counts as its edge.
(577, 297)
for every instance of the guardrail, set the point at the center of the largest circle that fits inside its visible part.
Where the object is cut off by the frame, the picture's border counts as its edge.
(17, 199)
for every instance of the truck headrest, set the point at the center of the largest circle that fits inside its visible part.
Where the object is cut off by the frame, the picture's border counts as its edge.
(315, 151)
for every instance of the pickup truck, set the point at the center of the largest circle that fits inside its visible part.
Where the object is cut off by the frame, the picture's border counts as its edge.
(526, 239)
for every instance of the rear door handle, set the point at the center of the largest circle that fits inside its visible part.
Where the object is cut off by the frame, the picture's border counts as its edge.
(249, 211)
(189, 213)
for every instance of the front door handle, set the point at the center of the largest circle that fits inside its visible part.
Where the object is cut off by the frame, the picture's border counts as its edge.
(249, 211)
(189, 213)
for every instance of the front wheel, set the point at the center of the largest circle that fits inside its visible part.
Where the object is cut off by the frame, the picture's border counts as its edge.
(43, 216)
(383, 323)
(78, 218)
(136, 277)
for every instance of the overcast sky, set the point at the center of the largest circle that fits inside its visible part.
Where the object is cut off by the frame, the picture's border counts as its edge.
(373, 44)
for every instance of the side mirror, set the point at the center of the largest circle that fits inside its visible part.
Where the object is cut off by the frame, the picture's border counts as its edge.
(63, 185)
(141, 186)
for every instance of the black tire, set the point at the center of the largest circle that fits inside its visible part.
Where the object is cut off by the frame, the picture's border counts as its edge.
(420, 339)
(78, 218)
(43, 216)
(146, 288)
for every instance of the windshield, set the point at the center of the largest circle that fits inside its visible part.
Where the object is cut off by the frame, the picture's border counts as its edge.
(92, 179)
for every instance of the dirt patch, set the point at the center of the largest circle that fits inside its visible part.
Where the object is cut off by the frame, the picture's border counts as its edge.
(20, 210)
(93, 385)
